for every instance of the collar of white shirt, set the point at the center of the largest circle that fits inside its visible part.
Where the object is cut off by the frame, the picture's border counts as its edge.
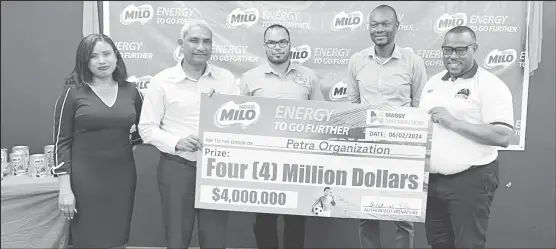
(178, 75)
(467, 75)
(267, 69)
(395, 54)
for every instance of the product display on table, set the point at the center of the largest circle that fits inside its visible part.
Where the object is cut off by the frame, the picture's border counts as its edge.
(20, 163)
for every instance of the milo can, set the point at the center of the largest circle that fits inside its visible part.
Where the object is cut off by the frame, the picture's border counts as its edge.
(4, 162)
(18, 163)
(49, 154)
(24, 149)
(37, 168)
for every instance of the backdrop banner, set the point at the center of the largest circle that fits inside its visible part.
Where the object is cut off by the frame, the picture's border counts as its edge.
(324, 35)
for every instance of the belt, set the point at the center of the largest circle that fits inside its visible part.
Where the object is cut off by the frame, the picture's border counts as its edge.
(481, 166)
(179, 159)
(473, 167)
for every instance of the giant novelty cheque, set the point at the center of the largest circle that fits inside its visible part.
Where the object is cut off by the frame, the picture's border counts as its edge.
(278, 156)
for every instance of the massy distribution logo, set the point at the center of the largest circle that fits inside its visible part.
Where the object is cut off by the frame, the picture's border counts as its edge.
(239, 17)
(142, 83)
(446, 21)
(345, 20)
(231, 113)
(141, 14)
(300, 54)
(375, 117)
(338, 91)
(503, 58)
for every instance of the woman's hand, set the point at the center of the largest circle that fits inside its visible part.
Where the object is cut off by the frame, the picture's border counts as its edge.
(66, 203)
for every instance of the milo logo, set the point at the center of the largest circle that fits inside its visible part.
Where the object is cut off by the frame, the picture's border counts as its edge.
(239, 17)
(345, 20)
(300, 54)
(231, 113)
(446, 21)
(503, 58)
(141, 14)
(142, 83)
(338, 91)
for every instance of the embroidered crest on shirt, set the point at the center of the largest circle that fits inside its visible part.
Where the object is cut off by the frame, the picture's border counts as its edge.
(463, 93)
(299, 79)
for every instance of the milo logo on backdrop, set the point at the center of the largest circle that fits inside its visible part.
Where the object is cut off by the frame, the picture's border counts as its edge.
(300, 54)
(446, 21)
(142, 83)
(141, 14)
(338, 91)
(345, 20)
(503, 58)
(239, 17)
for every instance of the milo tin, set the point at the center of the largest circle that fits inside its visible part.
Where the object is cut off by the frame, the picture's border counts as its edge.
(4, 162)
(49, 154)
(24, 149)
(37, 168)
(18, 163)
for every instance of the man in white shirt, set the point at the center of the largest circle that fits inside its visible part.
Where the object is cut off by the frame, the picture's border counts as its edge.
(385, 74)
(170, 122)
(472, 112)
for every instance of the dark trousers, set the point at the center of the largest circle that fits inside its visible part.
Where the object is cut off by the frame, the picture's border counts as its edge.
(458, 207)
(266, 231)
(369, 234)
(176, 184)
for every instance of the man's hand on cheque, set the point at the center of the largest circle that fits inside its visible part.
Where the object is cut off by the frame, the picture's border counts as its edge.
(442, 116)
(211, 92)
(190, 143)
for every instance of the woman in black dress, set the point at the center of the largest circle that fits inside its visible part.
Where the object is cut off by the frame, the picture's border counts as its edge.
(93, 146)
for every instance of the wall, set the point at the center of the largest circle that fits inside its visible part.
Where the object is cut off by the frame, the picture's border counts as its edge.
(39, 40)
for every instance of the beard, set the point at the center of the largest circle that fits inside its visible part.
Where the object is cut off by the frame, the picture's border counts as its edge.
(278, 61)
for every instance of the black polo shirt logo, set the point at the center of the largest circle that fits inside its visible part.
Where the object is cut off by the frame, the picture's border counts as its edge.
(463, 93)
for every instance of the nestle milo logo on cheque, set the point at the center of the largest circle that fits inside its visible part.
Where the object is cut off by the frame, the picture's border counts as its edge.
(231, 113)
(246, 112)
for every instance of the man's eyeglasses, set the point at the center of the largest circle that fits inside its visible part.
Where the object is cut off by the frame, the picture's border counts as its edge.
(281, 43)
(460, 51)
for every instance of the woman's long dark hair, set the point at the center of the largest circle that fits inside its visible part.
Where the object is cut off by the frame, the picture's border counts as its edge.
(81, 73)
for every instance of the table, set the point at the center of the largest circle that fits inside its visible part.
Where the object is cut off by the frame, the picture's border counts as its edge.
(30, 215)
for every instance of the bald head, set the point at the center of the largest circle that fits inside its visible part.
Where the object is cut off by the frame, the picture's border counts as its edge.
(462, 30)
(386, 9)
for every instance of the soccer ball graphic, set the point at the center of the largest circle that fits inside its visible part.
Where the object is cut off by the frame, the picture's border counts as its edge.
(317, 210)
